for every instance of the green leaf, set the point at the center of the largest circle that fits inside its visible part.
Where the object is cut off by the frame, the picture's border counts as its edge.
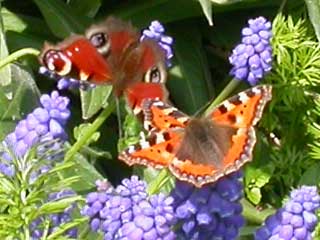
(162, 10)
(314, 15)
(189, 78)
(17, 99)
(93, 100)
(158, 181)
(311, 176)
(255, 179)
(86, 172)
(132, 128)
(87, 8)
(61, 18)
(5, 72)
(24, 24)
(225, 1)
(207, 10)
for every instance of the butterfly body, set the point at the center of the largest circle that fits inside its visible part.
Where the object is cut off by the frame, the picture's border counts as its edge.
(200, 150)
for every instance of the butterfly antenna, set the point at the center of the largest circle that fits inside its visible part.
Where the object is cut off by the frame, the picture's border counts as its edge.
(119, 117)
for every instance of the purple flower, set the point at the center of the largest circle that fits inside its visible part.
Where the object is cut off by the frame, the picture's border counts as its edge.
(55, 219)
(95, 202)
(44, 124)
(252, 58)
(156, 31)
(296, 220)
(127, 212)
(210, 212)
(65, 82)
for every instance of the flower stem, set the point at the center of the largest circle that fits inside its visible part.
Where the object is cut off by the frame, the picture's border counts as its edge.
(253, 215)
(223, 95)
(17, 54)
(89, 131)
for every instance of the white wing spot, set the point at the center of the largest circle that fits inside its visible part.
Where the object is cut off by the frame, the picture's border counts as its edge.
(229, 106)
(243, 97)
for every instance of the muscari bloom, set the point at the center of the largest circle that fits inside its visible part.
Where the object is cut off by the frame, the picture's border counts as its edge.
(296, 220)
(156, 31)
(210, 212)
(44, 124)
(127, 212)
(55, 220)
(252, 58)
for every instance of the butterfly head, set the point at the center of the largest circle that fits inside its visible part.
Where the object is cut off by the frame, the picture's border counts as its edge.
(77, 57)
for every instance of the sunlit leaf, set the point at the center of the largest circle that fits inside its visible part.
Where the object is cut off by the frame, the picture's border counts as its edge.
(93, 100)
(207, 9)
(314, 15)
(5, 72)
(17, 99)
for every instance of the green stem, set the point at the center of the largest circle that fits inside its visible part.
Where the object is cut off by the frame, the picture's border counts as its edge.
(223, 95)
(158, 182)
(253, 215)
(17, 54)
(88, 132)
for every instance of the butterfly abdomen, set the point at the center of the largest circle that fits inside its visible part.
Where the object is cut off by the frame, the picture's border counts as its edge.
(205, 142)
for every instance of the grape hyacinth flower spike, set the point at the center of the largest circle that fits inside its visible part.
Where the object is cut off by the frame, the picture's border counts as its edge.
(211, 212)
(252, 58)
(296, 220)
(44, 123)
(127, 212)
(156, 31)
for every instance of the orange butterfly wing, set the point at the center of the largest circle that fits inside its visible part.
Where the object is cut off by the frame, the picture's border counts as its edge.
(240, 113)
(155, 151)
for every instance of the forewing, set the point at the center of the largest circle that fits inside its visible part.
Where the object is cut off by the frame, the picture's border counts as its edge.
(244, 109)
(157, 150)
(160, 116)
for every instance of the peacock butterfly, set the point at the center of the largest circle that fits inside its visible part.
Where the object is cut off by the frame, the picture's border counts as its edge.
(112, 53)
(200, 150)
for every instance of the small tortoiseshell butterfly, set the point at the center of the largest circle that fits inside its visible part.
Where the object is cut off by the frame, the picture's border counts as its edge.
(111, 53)
(200, 150)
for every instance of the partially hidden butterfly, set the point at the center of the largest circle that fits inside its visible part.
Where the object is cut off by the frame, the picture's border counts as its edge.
(111, 53)
(200, 150)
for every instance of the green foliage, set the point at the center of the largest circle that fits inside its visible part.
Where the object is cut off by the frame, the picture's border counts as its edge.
(24, 196)
(295, 74)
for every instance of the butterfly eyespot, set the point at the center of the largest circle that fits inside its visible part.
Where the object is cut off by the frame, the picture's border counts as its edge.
(156, 74)
(241, 112)
(99, 39)
(57, 61)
